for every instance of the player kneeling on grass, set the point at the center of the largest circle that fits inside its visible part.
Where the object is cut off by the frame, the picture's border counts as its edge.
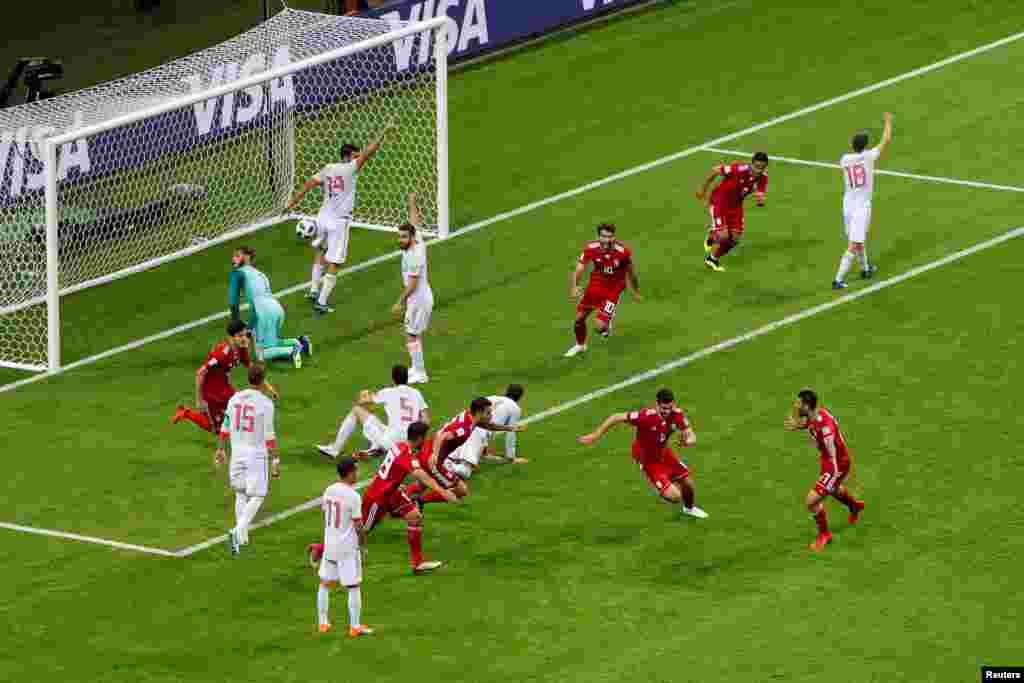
(835, 462)
(250, 424)
(507, 412)
(739, 180)
(267, 313)
(669, 477)
(384, 496)
(343, 548)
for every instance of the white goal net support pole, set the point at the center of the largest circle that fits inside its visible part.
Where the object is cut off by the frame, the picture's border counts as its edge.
(110, 181)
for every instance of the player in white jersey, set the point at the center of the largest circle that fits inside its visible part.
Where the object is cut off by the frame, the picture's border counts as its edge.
(249, 421)
(858, 169)
(403, 405)
(338, 181)
(344, 544)
(417, 298)
(506, 411)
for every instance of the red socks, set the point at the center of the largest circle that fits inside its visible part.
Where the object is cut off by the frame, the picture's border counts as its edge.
(844, 497)
(723, 248)
(822, 521)
(433, 497)
(415, 536)
(413, 489)
(580, 328)
(198, 419)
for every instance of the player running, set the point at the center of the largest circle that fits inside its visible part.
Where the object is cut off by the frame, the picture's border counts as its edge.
(613, 269)
(505, 411)
(267, 317)
(338, 181)
(403, 405)
(384, 496)
(669, 477)
(739, 179)
(417, 298)
(859, 183)
(250, 423)
(343, 547)
(835, 462)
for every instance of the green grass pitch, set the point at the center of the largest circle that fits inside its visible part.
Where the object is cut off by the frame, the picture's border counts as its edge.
(569, 569)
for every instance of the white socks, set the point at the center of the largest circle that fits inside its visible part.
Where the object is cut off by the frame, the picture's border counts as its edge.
(348, 426)
(355, 606)
(844, 265)
(317, 269)
(323, 603)
(249, 510)
(326, 287)
(240, 500)
(510, 445)
(416, 355)
(864, 258)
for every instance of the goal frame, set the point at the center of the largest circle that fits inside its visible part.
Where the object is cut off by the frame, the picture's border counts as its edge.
(437, 26)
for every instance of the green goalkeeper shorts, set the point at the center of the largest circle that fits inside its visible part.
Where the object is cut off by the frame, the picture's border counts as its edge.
(269, 321)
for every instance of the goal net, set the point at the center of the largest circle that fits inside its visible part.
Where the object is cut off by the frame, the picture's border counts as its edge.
(106, 182)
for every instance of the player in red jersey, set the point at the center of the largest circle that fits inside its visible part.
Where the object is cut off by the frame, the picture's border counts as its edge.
(613, 269)
(835, 462)
(213, 383)
(654, 426)
(739, 179)
(384, 496)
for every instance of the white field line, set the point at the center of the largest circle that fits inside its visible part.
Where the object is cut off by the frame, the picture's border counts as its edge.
(526, 208)
(88, 539)
(878, 171)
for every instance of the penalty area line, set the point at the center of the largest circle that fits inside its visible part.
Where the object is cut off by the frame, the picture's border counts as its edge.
(88, 539)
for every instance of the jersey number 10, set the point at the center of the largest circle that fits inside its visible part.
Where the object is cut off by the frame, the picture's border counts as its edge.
(856, 176)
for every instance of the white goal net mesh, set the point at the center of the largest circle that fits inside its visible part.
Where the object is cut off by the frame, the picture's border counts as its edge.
(137, 195)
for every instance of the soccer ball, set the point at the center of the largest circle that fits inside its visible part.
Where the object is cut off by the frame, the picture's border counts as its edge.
(306, 229)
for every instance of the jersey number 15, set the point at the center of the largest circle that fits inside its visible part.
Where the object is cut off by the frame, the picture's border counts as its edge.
(245, 420)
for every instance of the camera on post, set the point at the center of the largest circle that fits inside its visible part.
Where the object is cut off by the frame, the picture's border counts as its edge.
(33, 73)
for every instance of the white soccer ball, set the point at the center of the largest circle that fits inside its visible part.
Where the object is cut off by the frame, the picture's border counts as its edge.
(306, 229)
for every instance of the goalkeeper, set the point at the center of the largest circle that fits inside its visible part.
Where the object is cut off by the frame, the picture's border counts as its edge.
(267, 316)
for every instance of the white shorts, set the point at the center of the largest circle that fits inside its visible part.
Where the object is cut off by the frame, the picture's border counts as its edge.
(379, 436)
(857, 221)
(417, 318)
(348, 570)
(464, 459)
(334, 238)
(250, 476)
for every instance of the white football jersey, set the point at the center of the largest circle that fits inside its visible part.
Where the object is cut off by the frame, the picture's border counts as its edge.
(403, 404)
(342, 507)
(249, 420)
(859, 177)
(505, 411)
(414, 262)
(339, 185)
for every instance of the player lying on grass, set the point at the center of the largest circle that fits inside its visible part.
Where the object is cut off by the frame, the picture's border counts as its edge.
(213, 382)
(267, 316)
(834, 458)
(859, 183)
(612, 271)
(416, 298)
(738, 180)
(403, 405)
(663, 470)
(384, 496)
(343, 548)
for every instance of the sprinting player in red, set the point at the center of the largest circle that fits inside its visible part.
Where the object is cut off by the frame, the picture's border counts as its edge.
(654, 426)
(739, 179)
(835, 462)
(613, 269)
(384, 496)
(213, 383)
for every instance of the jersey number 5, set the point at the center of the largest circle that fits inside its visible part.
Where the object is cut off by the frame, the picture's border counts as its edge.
(856, 176)
(245, 421)
(408, 410)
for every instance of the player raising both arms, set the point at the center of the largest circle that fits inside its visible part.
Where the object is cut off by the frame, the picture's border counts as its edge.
(835, 462)
(669, 477)
(738, 180)
(613, 269)
(859, 183)
(417, 298)
(338, 181)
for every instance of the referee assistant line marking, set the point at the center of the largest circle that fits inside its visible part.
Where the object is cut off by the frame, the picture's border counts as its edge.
(88, 539)
(527, 208)
(878, 171)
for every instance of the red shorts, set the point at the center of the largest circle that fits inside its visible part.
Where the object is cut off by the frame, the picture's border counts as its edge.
(397, 505)
(217, 404)
(664, 471)
(830, 480)
(726, 219)
(601, 299)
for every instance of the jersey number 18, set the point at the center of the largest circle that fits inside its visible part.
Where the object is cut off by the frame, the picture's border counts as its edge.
(856, 176)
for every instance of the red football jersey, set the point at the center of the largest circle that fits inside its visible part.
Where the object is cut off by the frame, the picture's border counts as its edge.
(822, 425)
(738, 181)
(653, 432)
(397, 465)
(460, 426)
(222, 360)
(610, 265)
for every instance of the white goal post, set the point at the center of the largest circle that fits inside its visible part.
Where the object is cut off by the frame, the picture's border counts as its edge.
(132, 174)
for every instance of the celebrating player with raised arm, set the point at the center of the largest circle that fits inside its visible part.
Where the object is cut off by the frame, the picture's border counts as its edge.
(416, 298)
(338, 181)
(738, 180)
(403, 405)
(250, 423)
(613, 269)
(267, 316)
(835, 462)
(343, 548)
(859, 182)
(669, 477)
